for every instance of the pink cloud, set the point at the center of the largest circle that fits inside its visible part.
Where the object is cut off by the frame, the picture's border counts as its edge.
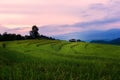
(42, 11)
(2, 29)
(25, 13)
(23, 31)
(52, 30)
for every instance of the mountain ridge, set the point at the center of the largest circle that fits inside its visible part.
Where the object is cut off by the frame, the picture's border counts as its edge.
(92, 35)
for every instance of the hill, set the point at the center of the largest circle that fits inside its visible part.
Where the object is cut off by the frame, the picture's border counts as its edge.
(92, 35)
(58, 60)
(114, 41)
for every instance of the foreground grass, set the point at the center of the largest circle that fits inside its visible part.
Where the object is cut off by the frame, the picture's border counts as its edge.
(59, 60)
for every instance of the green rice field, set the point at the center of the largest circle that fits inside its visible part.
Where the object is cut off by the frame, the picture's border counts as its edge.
(58, 60)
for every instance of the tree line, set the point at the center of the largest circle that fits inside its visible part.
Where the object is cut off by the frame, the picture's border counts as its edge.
(33, 34)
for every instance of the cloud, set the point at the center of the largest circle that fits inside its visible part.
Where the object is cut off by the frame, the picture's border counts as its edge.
(100, 11)
(51, 15)
(22, 30)
(97, 23)
(42, 11)
(52, 30)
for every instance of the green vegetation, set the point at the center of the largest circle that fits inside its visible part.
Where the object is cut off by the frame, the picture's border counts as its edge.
(58, 60)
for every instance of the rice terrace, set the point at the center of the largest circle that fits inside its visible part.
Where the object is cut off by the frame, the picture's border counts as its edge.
(59, 39)
(58, 60)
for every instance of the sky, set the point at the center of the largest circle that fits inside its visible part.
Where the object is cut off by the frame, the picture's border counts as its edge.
(55, 17)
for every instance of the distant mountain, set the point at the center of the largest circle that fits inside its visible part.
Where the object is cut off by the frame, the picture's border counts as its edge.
(115, 41)
(100, 41)
(92, 35)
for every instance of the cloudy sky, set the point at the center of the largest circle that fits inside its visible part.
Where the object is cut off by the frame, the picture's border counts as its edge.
(55, 17)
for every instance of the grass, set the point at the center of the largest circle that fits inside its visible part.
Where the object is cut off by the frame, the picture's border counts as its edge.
(58, 60)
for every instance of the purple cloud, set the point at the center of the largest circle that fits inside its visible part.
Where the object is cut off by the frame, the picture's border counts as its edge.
(2, 29)
(51, 16)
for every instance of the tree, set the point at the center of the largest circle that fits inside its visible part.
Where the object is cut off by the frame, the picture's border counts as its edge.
(5, 36)
(0, 37)
(34, 33)
(72, 40)
(19, 37)
(78, 40)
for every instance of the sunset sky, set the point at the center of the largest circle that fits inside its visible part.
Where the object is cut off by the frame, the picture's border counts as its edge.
(55, 17)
